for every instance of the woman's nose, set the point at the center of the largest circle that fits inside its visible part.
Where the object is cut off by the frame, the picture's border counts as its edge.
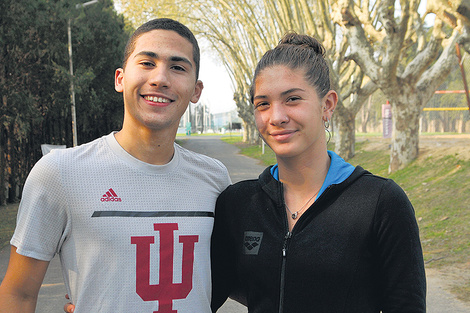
(279, 115)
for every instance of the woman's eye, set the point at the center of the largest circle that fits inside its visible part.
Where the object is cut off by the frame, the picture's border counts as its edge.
(291, 99)
(261, 106)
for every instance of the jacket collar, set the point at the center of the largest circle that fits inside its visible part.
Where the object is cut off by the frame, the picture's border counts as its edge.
(274, 189)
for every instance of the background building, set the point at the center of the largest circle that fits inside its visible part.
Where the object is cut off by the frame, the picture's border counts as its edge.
(198, 119)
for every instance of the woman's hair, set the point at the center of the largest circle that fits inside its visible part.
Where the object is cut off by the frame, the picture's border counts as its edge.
(298, 52)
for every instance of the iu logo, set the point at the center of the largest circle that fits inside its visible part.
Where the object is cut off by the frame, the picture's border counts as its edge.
(166, 291)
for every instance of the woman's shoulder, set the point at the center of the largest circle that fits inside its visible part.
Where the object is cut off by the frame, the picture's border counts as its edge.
(246, 187)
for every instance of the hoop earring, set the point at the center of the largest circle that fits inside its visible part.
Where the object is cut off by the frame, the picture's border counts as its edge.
(326, 124)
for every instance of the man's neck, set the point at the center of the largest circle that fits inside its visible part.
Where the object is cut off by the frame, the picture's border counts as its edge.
(153, 147)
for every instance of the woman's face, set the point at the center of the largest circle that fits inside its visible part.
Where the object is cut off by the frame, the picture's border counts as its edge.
(289, 113)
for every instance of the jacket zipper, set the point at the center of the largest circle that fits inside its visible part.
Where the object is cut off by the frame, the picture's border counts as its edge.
(283, 271)
(284, 253)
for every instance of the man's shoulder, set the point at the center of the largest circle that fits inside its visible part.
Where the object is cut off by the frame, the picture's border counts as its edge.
(199, 159)
(86, 152)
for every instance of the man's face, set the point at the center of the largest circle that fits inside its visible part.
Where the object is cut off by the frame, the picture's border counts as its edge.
(159, 81)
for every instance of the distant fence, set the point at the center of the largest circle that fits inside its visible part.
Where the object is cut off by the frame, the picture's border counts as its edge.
(436, 118)
(446, 111)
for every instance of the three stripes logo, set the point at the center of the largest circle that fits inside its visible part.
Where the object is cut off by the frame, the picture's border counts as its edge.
(110, 196)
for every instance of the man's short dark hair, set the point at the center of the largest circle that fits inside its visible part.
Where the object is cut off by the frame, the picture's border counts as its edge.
(165, 24)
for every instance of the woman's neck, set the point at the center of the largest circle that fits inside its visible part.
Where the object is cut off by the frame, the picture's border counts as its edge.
(302, 181)
(301, 175)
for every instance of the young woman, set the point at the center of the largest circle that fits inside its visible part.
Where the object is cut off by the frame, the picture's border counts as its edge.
(312, 233)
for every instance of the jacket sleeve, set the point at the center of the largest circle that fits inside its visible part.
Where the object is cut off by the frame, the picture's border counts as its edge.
(222, 256)
(399, 253)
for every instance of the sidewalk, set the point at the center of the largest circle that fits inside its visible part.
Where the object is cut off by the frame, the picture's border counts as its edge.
(51, 296)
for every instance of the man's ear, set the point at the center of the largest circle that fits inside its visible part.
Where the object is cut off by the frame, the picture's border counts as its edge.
(197, 91)
(118, 80)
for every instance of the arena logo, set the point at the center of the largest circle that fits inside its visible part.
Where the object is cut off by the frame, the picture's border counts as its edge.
(252, 242)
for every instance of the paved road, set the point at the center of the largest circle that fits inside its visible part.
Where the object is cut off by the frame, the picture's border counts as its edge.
(51, 296)
(239, 166)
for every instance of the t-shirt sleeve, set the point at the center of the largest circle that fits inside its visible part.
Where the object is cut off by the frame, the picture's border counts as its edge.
(42, 219)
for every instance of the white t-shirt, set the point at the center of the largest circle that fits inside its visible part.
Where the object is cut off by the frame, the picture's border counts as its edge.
(107, 214)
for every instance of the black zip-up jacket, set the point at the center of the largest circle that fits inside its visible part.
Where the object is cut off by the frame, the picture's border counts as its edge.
(355, 250)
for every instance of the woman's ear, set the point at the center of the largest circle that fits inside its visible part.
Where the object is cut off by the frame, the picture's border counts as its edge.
(329, 104)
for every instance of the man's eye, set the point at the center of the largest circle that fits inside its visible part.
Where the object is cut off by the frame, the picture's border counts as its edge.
(178, 68)
(147, 64)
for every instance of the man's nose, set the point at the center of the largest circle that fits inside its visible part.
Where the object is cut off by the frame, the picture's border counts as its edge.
(160, 77)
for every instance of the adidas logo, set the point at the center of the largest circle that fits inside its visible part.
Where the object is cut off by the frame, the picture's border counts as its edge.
(110, 195)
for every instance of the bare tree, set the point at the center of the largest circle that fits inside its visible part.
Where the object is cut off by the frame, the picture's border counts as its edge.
(381, 36)
(258, 28)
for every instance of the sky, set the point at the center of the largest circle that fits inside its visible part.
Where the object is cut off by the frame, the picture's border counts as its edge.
(218, 90)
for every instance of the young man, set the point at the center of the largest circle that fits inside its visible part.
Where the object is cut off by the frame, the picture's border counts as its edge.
(131, 213)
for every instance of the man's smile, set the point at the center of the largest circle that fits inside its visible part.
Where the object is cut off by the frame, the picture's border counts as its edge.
(157, 99)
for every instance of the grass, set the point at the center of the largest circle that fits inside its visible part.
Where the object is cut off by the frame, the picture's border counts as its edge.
(438, 186)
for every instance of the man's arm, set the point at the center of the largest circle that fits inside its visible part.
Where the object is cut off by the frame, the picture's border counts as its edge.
(20, 287)
(68, 307)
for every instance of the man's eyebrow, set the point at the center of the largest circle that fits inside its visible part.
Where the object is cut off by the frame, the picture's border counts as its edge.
(181, 59)
(154, 55)
(150, 54)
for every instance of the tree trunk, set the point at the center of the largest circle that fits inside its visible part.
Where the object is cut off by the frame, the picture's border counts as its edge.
(345, 135)
(366, 115)
(3, 167)
(13, 177)
(251, 133)
(405, 135)
(246, 132)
